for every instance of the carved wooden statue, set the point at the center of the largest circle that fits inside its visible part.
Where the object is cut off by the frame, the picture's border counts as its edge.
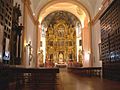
(41, 57)
(80, 57)
(16, 36)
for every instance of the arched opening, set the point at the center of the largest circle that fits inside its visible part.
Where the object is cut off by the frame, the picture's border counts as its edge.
(84, 40)
(61, 31)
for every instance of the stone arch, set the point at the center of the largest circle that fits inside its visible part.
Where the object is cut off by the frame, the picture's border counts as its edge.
(43, 13)
(74, 2)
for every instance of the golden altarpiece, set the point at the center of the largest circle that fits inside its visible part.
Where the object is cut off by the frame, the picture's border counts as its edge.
(61, 42)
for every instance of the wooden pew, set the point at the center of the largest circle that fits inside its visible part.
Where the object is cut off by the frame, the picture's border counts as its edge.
(16, 77)
(86, 71)
(4, 76)
(45, 77)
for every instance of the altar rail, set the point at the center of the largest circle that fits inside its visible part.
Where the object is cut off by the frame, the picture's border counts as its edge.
(12, 77)
(86, 71)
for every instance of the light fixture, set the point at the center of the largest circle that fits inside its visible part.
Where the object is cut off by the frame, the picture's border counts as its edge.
(33, 14)
(89, 52)
(39, 26)
(100, 7)
(28, 44)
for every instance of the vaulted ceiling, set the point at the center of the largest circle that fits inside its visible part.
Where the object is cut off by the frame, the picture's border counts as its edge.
(90, 5)
(80, 8)
(56, 16)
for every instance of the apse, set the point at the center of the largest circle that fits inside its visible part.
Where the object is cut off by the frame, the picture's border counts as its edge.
(60, 36)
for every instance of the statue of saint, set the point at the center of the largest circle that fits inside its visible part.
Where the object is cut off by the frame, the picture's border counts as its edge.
(71, 30)
(50, 29)
(41, 57)
(30, 56)
(80, 58)
(60, 58)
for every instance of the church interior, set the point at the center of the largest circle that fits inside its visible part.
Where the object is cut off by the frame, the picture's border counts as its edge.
(59, 44)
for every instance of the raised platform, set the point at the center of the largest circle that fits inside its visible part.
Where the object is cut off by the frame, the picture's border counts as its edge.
(61, 65)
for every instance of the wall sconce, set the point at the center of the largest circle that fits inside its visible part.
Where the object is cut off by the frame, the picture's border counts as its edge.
(38, 52)
(28, 44)
(89, 52)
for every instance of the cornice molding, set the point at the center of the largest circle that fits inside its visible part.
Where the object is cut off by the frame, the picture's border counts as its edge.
(27, 4)
(105, 5)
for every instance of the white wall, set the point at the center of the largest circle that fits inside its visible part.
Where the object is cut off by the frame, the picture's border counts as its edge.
(43, 48)
(29, 31)
(31, 36)
(96, 39)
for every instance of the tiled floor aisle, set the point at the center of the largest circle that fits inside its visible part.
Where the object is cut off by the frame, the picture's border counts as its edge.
(74, 82)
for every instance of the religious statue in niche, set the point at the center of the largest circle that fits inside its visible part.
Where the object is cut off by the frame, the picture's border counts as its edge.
(61, 31)
(50, 29)
(41, 57)
(70, 43)
(71, 30)
(51, 43)
(80, 58)
(30, 58)
(61, 58)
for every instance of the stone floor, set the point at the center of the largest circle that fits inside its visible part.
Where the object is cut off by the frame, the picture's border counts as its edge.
(68, 81)
(75, 82)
